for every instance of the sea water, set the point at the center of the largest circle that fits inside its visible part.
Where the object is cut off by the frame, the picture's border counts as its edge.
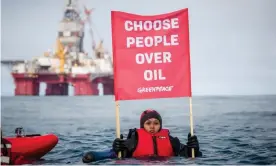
(230, 129)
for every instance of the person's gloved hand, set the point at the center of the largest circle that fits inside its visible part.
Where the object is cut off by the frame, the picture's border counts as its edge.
(88, 157)
(119, 144)
(123, 146)
(193, 143)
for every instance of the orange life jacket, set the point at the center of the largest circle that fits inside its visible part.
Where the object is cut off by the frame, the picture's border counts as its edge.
(153, 144)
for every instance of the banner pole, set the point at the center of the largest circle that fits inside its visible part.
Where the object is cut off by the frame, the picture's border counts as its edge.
(118, 123)
(191, 124)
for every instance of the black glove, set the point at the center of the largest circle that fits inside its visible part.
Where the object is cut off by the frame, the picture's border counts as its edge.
(119, 144)
(193, 143)
(123, 146)
(88, 157)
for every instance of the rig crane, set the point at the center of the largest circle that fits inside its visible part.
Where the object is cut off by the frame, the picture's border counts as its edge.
(60, 53)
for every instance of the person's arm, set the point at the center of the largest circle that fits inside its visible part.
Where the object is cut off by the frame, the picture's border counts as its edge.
(126, 147)
(185, 150)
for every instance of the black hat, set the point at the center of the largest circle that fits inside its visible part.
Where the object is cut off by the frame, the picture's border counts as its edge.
(148, 114)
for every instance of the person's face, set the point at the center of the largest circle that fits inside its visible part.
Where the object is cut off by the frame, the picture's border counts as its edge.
(152, 125)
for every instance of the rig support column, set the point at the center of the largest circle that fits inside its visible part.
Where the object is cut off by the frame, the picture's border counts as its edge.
(60, 89)
(108, 86)
(25, 85)
(84, 87)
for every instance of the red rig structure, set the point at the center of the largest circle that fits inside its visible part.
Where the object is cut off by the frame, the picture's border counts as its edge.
(68, 64)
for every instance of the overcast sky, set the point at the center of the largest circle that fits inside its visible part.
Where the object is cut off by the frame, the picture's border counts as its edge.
(233, 42)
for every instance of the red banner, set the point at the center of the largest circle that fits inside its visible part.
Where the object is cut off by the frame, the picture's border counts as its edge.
(151, 55)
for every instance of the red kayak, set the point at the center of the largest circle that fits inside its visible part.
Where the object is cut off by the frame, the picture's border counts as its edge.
(23, 149)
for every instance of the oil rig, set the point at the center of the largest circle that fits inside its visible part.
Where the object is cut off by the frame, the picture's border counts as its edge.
(68, 64)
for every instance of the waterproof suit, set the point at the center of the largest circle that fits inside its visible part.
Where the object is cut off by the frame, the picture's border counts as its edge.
(140, 143)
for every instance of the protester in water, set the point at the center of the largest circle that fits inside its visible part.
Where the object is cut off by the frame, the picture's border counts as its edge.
(151, 140)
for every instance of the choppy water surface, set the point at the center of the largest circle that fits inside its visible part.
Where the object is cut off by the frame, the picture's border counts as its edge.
(231, 130)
